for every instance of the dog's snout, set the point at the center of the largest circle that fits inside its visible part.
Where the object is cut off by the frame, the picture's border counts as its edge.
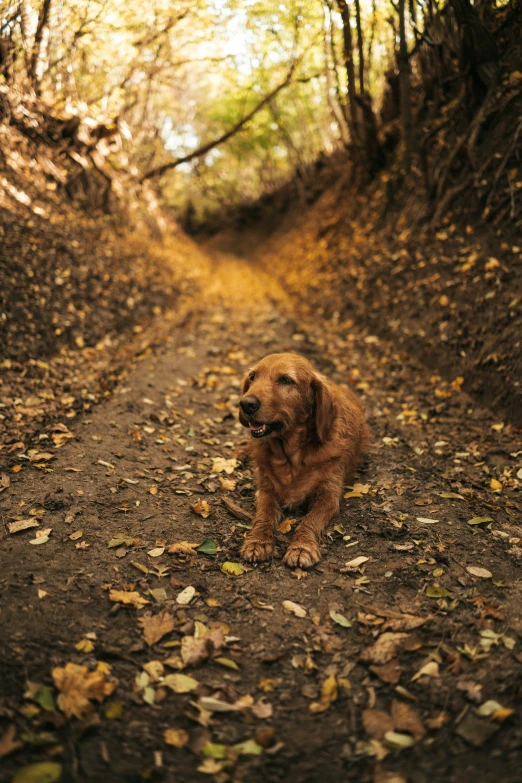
(250, 405)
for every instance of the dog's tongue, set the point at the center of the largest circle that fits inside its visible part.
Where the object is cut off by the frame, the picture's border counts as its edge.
(256, 427)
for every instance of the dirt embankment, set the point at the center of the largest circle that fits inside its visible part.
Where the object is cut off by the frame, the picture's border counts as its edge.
(452, 296)
(81, 294)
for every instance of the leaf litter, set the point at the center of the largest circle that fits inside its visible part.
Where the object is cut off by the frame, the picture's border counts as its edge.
(226, 681)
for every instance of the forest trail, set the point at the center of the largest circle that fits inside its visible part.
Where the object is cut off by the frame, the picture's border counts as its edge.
(405, 666)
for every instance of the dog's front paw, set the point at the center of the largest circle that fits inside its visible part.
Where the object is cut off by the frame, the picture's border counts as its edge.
(256, 549)
(302, 554)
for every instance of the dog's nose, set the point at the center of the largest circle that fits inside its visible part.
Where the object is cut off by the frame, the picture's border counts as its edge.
(250, 405)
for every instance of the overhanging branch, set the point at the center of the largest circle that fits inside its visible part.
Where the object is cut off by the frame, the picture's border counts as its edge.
(158, 171)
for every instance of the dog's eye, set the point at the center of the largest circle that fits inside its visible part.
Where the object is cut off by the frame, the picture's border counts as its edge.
(286, 381)
(251, 376)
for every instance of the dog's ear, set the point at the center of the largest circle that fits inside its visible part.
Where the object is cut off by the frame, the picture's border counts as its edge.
(324, 409)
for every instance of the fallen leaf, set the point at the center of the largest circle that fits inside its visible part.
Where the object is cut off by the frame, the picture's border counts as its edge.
(210, 766)
(156, 552)
(221, 465)
(183, 548)
(228, 663)
(479, 520)
(195, 651)
(154, 669)
(385, 648)
(405, 622)
(40, 539)
(248, 748)
(430, 669)
(79, 686)
(405, 718)
(427, 521)
(178, 738)
(434, 591)
(388, 672)
(208, 547)
(43, 456)
(180, 683)
(85, 646)
(358, 561)
(234, 569)
(398, 740)
(22, 524)
(186, 595)
(156, 627)
(489, 708)
(286, 525)
(328, 695)
(227, 484)
(262, 709)
(377, 722)
(124, 597)
(42, 772)
(495, 485)
(76, 535)
(202, 508)
(295, 609)
(120, 540)
(340, 619)
(214, 750)
(478, 571)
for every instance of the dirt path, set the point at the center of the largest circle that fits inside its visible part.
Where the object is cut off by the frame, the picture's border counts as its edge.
(380, 680)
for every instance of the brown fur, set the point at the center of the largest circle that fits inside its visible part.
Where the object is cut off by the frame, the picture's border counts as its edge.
(323, 437)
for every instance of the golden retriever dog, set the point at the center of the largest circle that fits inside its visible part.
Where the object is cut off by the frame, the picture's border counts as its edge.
(308, 435)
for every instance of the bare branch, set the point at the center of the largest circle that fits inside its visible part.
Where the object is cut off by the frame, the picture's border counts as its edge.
(160, 170)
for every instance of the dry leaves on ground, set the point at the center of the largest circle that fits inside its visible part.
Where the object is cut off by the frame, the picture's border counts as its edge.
(79, 686)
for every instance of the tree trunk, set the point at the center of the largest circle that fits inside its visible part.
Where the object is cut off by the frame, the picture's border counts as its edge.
(360, 45)
(344, 10)
(332, 91)
(405, 88)
(43, 21)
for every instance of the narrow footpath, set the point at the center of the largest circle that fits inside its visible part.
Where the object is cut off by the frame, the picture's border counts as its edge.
(136, 646)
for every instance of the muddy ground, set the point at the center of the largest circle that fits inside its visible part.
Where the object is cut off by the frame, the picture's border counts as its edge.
(404, 666)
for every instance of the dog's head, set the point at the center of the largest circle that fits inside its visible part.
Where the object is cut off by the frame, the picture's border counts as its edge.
(283, 393)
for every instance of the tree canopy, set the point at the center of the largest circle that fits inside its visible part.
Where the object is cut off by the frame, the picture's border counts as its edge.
(221, 100)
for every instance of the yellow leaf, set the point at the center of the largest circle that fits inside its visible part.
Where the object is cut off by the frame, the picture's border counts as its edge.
(286, 525)
(234, 569)
(178, 738)
(221, 465)
(202, 508)
(328, 695)
(124, 597)
(495, 485)
(182, 548)
(79, 686)
(85, 646)
(180, 683)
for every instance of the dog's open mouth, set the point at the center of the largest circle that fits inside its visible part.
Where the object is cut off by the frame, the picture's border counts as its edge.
(261, 430)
